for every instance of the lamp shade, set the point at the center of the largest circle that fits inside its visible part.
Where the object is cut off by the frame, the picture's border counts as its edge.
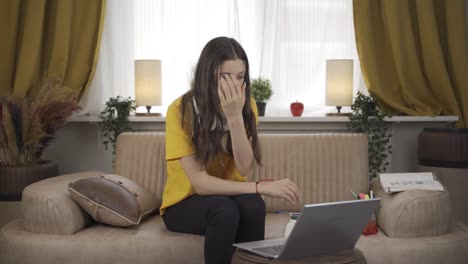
(148, 82)
(339, 83)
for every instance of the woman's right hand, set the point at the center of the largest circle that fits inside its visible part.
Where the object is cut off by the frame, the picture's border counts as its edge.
(284, 188)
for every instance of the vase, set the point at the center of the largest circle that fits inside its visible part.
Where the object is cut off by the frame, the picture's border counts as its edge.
(261, 106)
(13, 180)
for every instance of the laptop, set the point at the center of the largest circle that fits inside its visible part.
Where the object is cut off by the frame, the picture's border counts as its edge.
(320, 229)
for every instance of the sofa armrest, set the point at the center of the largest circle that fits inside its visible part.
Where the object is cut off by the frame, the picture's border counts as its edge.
(415, 213)
(48, 208)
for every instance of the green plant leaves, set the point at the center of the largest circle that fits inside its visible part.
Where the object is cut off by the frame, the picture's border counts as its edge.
(115, 119)
(261, 89)
(367, 118)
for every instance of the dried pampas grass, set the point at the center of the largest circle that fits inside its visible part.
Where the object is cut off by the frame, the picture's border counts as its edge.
(28, 125)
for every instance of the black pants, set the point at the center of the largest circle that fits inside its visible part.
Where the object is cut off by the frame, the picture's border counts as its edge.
(223, 220)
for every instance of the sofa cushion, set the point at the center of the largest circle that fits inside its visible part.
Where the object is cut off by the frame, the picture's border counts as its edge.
(48, 208)
(113, 199)
(148, 242)
(448, 248)
(415, 213)
(323, 165)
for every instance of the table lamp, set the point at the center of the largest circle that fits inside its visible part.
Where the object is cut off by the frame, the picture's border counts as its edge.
(339, 85)
(148, 90)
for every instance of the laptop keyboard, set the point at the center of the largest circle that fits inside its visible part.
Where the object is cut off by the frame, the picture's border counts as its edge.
(273, 251)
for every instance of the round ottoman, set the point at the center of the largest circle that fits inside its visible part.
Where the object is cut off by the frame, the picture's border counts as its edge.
(412, 214)
(345, 257)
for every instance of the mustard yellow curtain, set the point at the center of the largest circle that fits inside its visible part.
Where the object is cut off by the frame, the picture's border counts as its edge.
(48, 38)
(414, 55)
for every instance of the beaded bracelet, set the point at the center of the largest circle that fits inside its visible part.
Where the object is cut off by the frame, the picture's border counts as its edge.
(261, 180)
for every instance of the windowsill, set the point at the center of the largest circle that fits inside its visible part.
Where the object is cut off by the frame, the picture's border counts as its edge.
(269, 124)
(271, 119)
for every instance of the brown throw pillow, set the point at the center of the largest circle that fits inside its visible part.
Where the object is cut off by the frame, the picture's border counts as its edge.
(114, 200)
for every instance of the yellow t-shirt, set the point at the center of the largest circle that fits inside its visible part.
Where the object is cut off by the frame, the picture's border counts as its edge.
(178, 145)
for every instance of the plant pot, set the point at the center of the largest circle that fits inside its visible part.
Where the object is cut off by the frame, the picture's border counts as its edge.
(261, 106)
(13, 180)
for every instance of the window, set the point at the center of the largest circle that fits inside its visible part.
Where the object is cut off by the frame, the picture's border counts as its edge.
(287, 41)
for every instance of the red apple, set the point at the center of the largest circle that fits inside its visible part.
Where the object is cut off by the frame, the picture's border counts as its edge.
(297, 108)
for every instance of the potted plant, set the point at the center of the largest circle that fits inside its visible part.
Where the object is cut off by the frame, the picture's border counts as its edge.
(369, 119)
(114, 119)
(27, 126)
(261, 92)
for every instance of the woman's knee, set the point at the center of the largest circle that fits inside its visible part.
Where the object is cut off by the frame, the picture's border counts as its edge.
(224, 211)
(251, 204)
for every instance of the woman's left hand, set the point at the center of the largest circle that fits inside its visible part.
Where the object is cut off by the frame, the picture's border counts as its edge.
(231, 95)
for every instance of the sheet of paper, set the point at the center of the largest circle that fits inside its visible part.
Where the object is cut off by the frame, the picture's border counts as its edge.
(395, 182)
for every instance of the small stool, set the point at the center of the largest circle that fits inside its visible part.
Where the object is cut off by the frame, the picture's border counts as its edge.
(344, 257)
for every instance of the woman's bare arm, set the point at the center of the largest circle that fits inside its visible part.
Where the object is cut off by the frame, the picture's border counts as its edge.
(241, 148)
(232, 97)
(205, 184)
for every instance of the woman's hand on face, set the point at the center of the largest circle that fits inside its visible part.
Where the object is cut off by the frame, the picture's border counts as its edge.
(231, 95)
(284, 188)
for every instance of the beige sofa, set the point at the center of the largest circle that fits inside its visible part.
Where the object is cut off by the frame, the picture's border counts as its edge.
(415, 226)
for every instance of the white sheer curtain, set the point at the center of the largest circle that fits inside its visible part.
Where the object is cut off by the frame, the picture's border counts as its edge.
(175, 32)
(298, 37)
(115, 68)
(287, 41)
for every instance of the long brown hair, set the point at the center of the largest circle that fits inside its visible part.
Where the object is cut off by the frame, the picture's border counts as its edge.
(204, 89)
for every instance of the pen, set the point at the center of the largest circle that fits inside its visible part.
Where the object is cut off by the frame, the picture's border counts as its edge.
(355, 196)
(281, 212)
(292, 214)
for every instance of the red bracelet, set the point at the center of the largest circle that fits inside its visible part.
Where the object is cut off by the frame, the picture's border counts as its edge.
(261, 180)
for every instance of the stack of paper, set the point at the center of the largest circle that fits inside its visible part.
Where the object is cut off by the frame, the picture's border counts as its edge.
(289, 227)
(397, 182)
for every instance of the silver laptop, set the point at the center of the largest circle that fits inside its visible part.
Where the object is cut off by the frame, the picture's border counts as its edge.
(320, 229)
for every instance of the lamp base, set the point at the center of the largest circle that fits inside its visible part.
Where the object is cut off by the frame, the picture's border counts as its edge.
(148, 108)
(147, 114)
(338, 114)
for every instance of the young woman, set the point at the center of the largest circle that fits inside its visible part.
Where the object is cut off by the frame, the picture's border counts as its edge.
(211, 149)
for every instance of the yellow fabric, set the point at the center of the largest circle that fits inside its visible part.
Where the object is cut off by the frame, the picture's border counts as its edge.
(48, 38)
(178, 145)
(414, 55)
